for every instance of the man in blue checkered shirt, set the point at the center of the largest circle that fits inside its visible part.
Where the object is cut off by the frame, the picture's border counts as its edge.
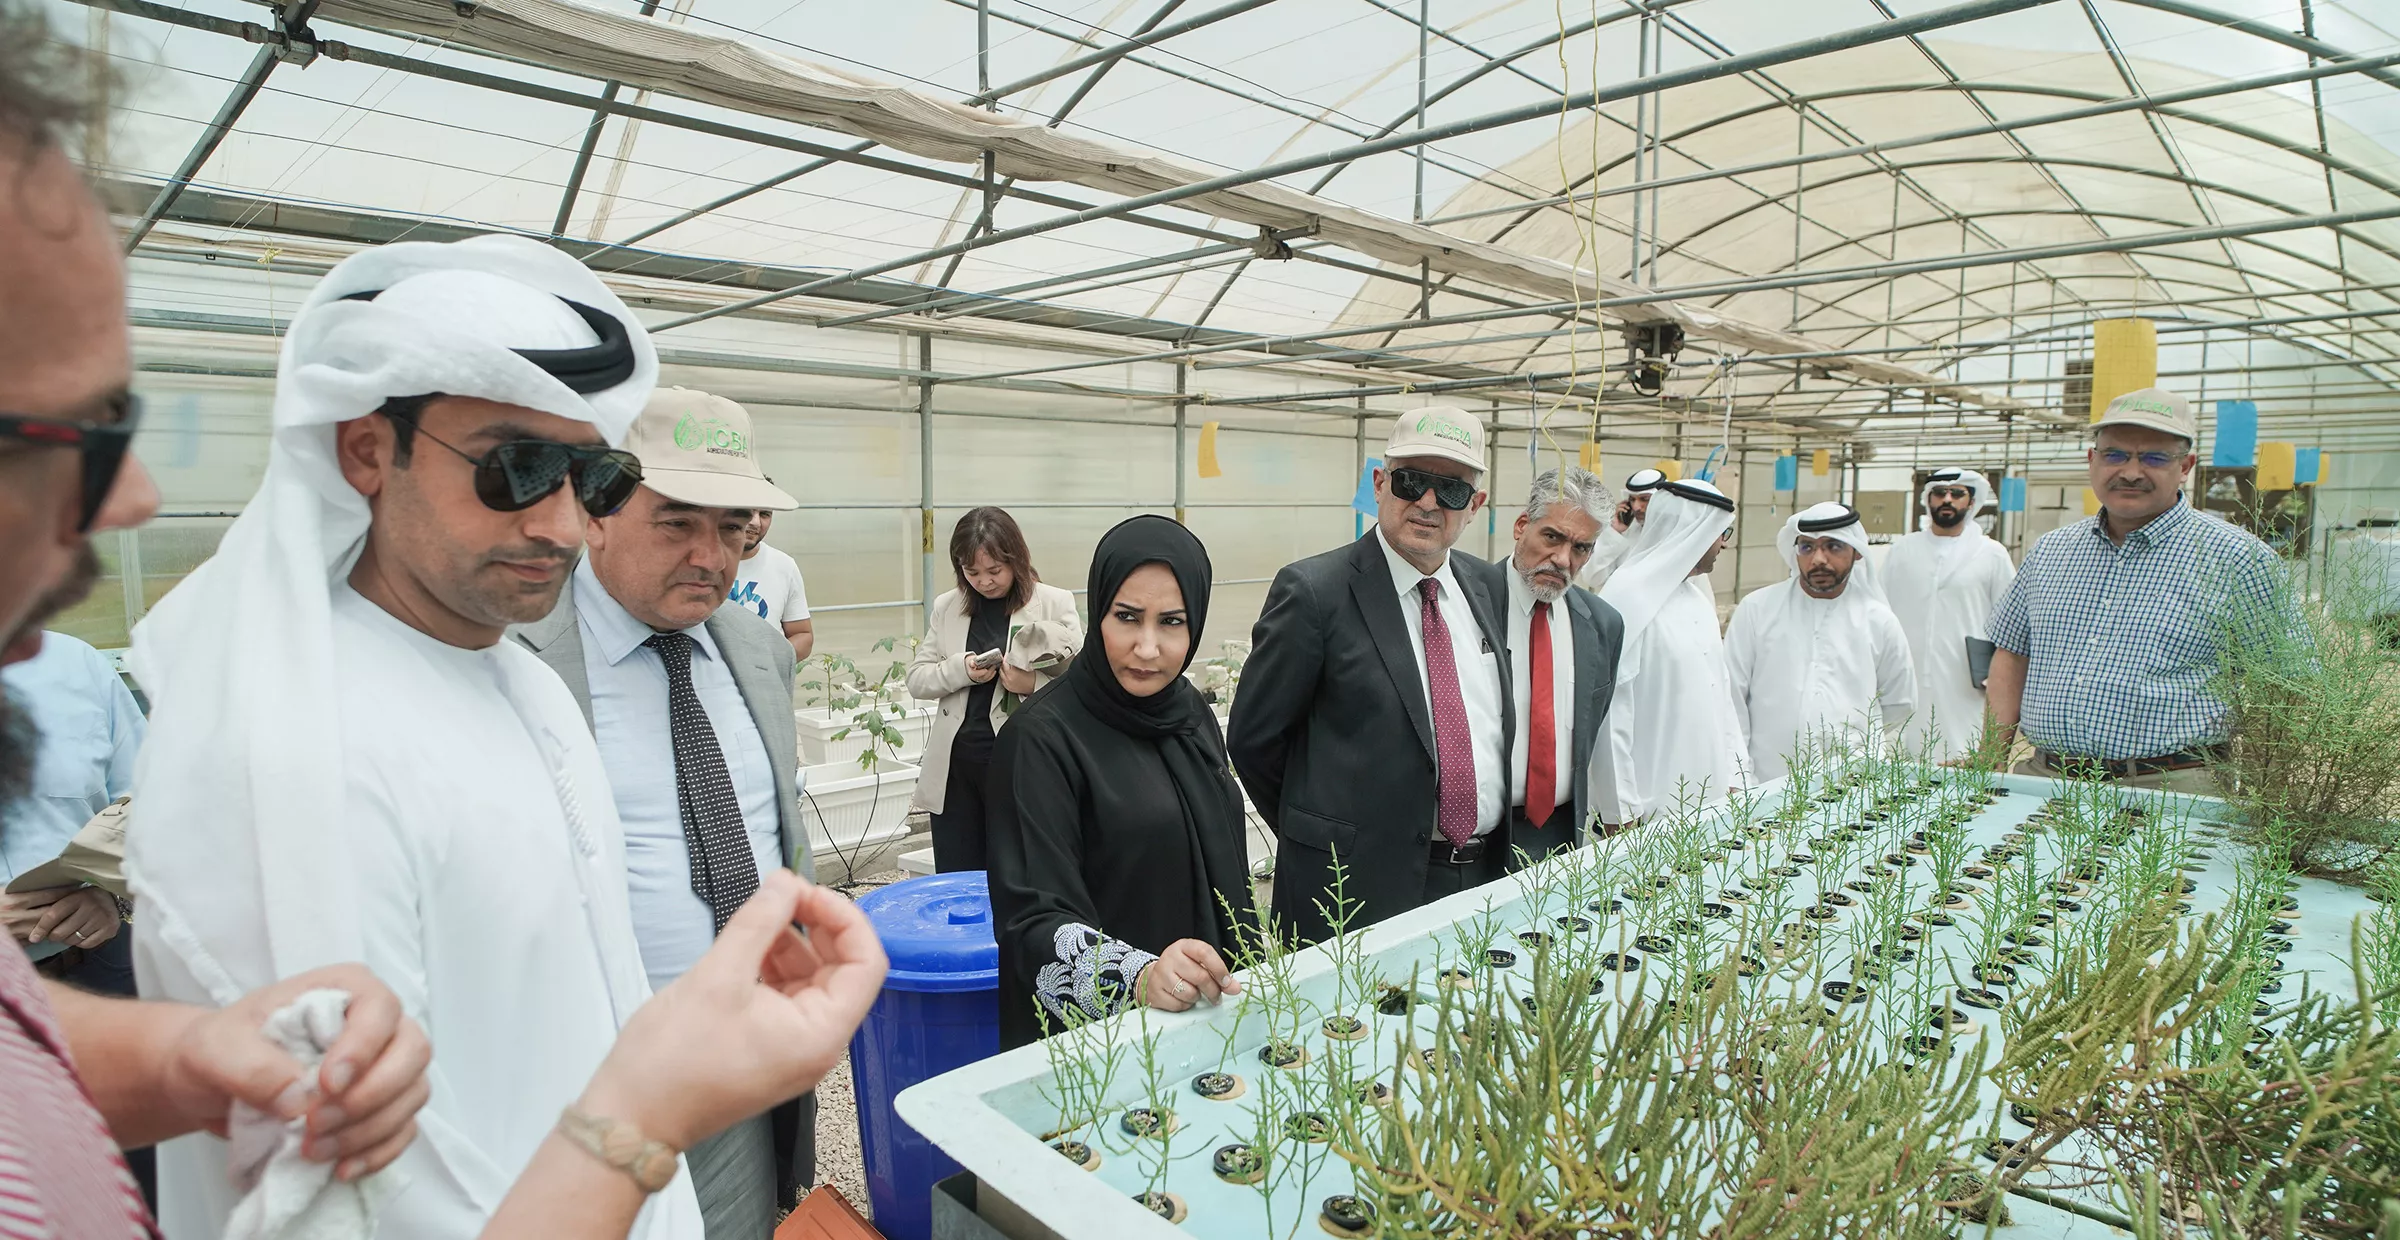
(2111, 634)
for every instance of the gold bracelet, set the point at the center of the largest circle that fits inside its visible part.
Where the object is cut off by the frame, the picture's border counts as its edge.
(621, 1145)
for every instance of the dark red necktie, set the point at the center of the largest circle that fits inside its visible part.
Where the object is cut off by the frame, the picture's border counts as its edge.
(1455, 806)
(1541, 731)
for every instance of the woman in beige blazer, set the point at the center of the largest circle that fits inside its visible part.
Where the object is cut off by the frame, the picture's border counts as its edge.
(988, 645)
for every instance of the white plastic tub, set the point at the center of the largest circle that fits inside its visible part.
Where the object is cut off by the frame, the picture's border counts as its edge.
(850, 811)
(817, 728)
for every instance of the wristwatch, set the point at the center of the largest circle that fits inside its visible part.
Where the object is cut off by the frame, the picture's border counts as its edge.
(621, 1145)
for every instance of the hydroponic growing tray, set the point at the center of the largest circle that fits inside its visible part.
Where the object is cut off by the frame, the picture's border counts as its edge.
(1222, 1121)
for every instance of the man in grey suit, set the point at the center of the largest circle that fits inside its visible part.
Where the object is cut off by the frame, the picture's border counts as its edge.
(1562, 650)
(690, 698)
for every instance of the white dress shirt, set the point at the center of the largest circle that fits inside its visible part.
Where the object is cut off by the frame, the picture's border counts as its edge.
(1562, 689)
(629, 718)
(1478, 676)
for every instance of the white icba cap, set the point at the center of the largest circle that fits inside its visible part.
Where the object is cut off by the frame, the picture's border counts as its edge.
(697, 448)
(1436, 430)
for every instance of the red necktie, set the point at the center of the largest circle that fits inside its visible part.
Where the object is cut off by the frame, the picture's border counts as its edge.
(1454, 809)
(1541, 731)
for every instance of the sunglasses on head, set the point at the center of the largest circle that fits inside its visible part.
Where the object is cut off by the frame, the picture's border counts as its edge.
(516, 475)
(101, 444)
(1410, 486)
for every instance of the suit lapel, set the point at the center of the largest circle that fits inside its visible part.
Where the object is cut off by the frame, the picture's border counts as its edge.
(1379, 605)
(558, 641)
(1588, 669)
(770, 709)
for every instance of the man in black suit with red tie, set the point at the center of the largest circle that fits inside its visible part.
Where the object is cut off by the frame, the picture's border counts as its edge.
(1373, 726)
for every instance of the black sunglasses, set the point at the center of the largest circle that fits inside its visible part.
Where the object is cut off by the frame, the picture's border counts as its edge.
(102, 445)
(516, 475)
(1451, 493)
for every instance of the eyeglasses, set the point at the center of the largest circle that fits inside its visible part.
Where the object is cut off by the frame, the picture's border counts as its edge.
(1410, 485)
(1951, 493)
(2149, 460)
(516, 475)
(1727, 536)
(102, 445)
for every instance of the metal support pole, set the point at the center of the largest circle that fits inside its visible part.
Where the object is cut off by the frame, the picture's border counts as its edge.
(129, 570)
(1358, 467)
(244, 90)
(1183, 372)
(925, 469)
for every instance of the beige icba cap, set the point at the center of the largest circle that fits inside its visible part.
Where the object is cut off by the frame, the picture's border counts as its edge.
(697, 449)
(1436, 430)
(2155, 408)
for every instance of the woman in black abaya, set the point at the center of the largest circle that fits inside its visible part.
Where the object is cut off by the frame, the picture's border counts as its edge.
(1116, 829)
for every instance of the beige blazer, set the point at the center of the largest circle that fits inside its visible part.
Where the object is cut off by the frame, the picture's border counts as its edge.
(940, 671)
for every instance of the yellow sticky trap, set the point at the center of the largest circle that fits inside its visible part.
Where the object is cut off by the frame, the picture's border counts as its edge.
(2091, 502)
(2277, 463)
(1208, 451)
(1589, 458)
(2324, 466)
(2124, 359)
(1820, 462)
(1672, 469)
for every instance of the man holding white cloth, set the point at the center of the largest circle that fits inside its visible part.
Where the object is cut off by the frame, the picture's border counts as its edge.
(359, 768)
(1943, 582)
(1673, 733)
(1818, 657)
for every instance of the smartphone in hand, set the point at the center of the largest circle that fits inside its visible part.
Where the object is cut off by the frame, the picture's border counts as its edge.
(989, 658)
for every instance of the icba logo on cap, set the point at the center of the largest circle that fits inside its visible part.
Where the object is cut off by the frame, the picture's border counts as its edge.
(1444, 428)
(693, 434)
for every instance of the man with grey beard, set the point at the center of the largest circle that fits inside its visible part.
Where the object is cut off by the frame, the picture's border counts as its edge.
(1562, 650)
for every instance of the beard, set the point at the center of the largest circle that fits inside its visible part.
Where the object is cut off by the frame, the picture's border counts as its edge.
(1823, 582)
(65, 594)
(1543, 589)
(1946, 516)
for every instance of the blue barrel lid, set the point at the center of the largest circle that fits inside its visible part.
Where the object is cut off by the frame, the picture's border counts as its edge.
(937, 929)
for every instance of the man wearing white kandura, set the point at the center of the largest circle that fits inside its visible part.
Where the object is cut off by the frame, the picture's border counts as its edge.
(1818, 657)
(1623, 528)
(1672, 729)
(361, 768)
(1943, 581)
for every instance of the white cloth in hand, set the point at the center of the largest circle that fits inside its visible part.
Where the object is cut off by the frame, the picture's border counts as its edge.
(287, 1197)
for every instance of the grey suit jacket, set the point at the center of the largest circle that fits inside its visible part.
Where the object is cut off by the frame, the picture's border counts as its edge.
(761, 662)
(1599, 637)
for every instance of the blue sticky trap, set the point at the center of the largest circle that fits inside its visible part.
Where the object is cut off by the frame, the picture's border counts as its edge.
(2012, 495)
(1787, 473)
(2237, 435)
(1364, 500)
(2307, 464)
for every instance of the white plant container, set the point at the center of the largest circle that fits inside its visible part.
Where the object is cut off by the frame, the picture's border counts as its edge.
(817, 728)
(992, 1116)
(850, 810)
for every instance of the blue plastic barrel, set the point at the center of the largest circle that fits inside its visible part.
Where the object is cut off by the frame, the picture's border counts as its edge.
(939, 1010)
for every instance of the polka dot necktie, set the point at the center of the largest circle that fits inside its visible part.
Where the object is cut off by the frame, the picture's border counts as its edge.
(1456, 816)
(724, 872)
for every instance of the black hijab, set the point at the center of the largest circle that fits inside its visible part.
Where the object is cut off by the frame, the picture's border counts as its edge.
(1176, 718)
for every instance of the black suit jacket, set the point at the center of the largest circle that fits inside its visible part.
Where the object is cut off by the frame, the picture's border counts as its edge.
(1599, 636)
(1332, 736)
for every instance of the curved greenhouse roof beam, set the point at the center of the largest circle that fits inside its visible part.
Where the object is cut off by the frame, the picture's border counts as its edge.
(1504, 60)
(1985, 160)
